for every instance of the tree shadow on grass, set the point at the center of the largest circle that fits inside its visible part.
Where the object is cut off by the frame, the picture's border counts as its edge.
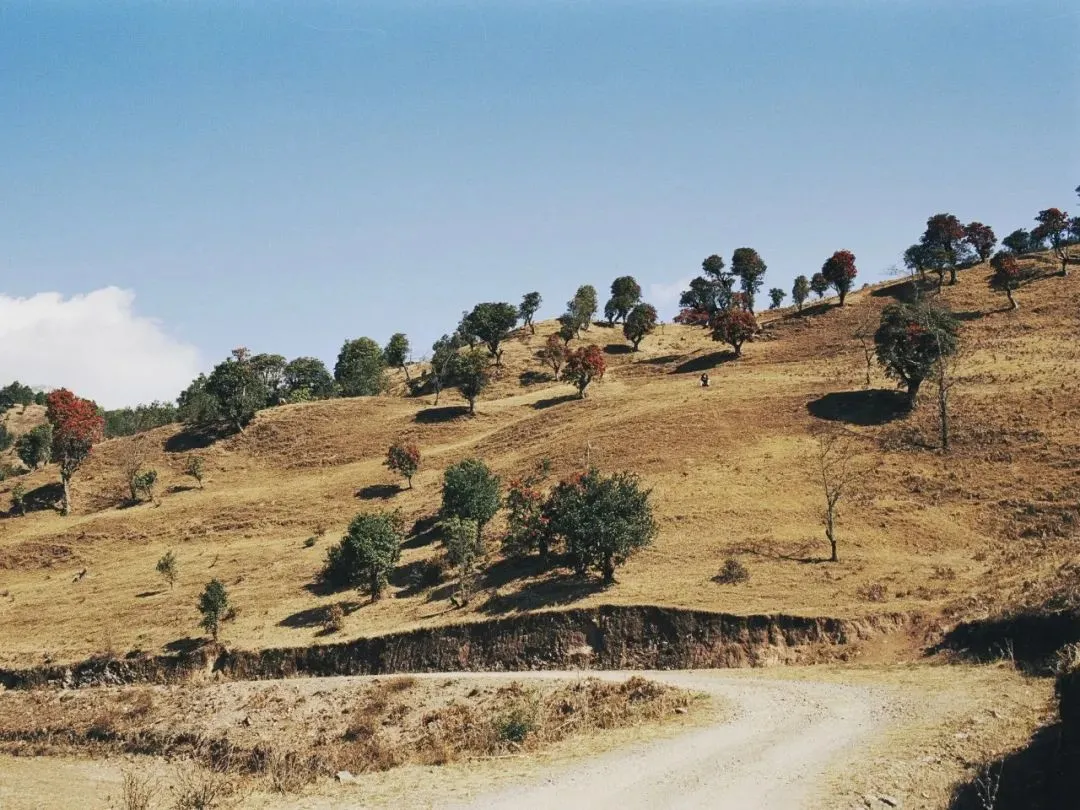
(528, 378)
(416, 577)
(316, 616)
(148, 594)
(618, 348)
(1043, 775)
(186, 645)
(176, 489)
(424, 532)
(705, 362)
(802, 557)
(663, 360)
(193, 439)
(45, 498)
(378, 492)
(432, 416)
(551, 402)
(550, 592)
(873, 407)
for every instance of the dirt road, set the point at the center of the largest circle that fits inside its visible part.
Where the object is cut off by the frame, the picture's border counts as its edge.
(771, 755)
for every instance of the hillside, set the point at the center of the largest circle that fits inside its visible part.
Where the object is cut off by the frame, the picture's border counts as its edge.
(993, 523)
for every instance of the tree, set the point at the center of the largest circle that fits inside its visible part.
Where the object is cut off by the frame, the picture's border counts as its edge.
(310, 376)
(776, 298)
(734, 326)
(582, 307)
(15, 394)
(214, 607)
(270, 371)
(360, 370)
(583, 366)
(625, 295)
(567, 329)
(403, 458)
(602, 519)
(470, 373)
(492, 324)
(800, 291)
(238, 391)
(839, 271)
(748, 266)
(1054, 226)
(464, 549)
(143, 484)
(34, 448)
(444, 354)
(76, 427)
(526, 524)
(709, 293)
(167, 568)
(528, 308)
(639, 322)
(194, 468)
(18, 499)
(981, 239)
(1019, 241)
(131, 421)
(819, 285)
(553, 353)
(396, 353)
(944, 241)
(909, 341)
(470, 492)
(833, 458)
(1007, 275)
(196, 406)
(366, 554)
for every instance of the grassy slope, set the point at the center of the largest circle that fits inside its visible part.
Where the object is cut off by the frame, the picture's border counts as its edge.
(993, 523)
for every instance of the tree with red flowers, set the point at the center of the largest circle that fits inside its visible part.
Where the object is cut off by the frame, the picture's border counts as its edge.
(944, 240)
(76, 425)
(1007, 275)
(553, 353)
(734, 326)
(839, 270)
(981, 239)
(403, 457)
(1054, 226)
(526, 524)
(583, 366)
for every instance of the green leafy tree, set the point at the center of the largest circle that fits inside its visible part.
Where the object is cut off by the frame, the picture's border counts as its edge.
(168, 568)
(1019, 241)
(918, 259)
(492, 323)
(640, 322)
(944, 240)
(800, 291)
(582, 307)
(471, 376)
(750, 269)
(709, 293)
(839, 270)
(307, 378)
(194, 468)
(776, 298)
(360, 370)
(980, 239)
(602, 519)
(34, 448)
(269, 369)
(567, 329)
(15, 394)
(131, 421)
(625, 295)
(6, 438)
(1055, 226)
(196, 406)
(819, 284)
(910, 340)
(583, 366)
(526, 523)
(238, 391)
(464, 550)
(214, 607)
(366, 554)
(143, 484)
(18, 499)
(396, 353)
(403, 458)
(444, 356)
(470, 492)
(530, 305)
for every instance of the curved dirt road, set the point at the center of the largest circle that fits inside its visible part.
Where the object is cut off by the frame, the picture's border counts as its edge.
(772, 755)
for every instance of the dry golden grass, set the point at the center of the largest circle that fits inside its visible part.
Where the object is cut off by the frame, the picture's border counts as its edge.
(993, 523)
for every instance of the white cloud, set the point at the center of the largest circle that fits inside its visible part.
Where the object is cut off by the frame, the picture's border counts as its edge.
(665, 297)
(94, 344)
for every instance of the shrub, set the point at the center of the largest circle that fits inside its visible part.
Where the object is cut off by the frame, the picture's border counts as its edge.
(732, 572)
(34, 448)
(366, 554)
(137, 792)
(873, 592)
(213, 607)
(403, 458)
(167, 568)
(734, 326)
(602, 519)
(641, 321)
(143, 483)
(334, 621)
(194, 468)
(18, 499)
(470, 492)
(583, 366)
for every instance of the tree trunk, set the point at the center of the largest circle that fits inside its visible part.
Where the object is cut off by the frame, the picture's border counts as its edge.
(830, 533)
(1009, 295)
(65, 508)
(913, 393)
(438, 390)
(472, 405)
(843, 296)
(952, 275)
(405, 368)
(608, 568)
(376, 587)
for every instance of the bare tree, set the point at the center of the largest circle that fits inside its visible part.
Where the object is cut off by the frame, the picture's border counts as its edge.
(865, 333)
(833, 458)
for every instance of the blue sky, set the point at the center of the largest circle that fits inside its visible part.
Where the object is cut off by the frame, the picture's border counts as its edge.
(285, 175)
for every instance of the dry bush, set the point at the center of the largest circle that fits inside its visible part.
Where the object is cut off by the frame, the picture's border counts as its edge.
(334, 621)
(873, 592)
(137, 792)
(1067, 659)
(732, 572)
(199, 788)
